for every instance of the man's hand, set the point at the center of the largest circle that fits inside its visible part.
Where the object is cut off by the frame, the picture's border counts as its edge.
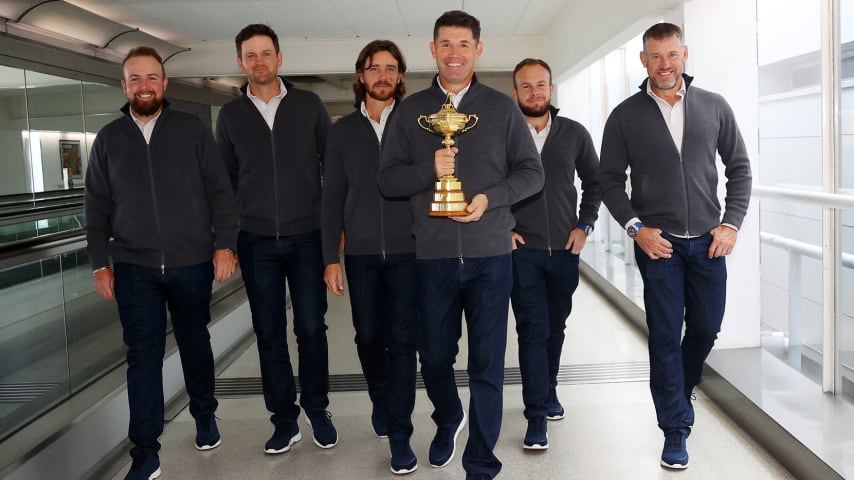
(334, 278)
(517, 240)
(649, 239)
(577, 239)
(225, 262)
(476, 209)
(444, 161)
(105, 284)
(723, 241)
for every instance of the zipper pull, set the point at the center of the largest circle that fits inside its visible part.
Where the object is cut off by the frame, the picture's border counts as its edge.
(162, 269)
(461, 260)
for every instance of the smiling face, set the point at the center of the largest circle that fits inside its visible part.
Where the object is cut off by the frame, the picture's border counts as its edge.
(664, 61)
(144, 85)
(259, 60)
(533, 90)
(380, 75)
(455, 51)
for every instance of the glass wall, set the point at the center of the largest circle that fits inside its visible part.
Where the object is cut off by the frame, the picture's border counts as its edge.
(845, 316)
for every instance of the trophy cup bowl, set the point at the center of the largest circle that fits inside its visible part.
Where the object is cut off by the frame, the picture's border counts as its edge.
(449, 200)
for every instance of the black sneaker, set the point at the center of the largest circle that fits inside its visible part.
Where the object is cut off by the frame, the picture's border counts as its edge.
(444, 444)
(675, 451)
(403, 459)
(207, 434)
(536, 438)
(282, 439)
(324, 433)
(379, 422)
(147, 469)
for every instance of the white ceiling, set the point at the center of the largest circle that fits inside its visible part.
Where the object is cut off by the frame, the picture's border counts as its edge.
(312, 31)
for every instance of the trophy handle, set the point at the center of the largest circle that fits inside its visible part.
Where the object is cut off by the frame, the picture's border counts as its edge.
(469, 127)
(425, 126)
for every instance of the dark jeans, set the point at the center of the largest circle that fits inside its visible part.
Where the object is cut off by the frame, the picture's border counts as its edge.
(689, 287)
(382, 297)
(267, 263)
(480, 287)
(143, 294)
(543, 284)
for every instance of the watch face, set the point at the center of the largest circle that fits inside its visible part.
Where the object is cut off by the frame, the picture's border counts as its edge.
(632, 231)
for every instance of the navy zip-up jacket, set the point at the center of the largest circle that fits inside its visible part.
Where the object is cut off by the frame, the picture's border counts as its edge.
(165, 204)
(276, 173)
(546, 219)
(373, 224)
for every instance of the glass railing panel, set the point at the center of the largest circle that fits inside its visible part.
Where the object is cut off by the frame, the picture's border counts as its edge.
(33, 354)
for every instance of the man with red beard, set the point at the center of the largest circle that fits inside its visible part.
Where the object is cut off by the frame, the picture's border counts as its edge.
(668, 134)
(273, 140)
(157, 186)
(551, 229)
(379, 248)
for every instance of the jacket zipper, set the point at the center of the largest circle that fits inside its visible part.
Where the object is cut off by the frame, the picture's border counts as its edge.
(275, 182)
(156, 211)
(682, 163)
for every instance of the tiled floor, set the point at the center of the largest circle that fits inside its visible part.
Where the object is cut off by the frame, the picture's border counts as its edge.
(609, 431)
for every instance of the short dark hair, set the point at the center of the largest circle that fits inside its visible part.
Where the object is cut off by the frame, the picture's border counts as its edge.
(143, 51)
(528, 62)
(254, 30)
(366, 55)
(457, 18)
(662, 31)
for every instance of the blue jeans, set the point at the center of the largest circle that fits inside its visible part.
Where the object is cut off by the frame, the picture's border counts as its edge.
(382, 296)
(143, 294)
(689, 287)
(267, 263)
(480, 287)
(543, 284)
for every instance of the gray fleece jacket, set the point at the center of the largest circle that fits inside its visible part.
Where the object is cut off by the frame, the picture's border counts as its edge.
(673, 192)
(497, 158)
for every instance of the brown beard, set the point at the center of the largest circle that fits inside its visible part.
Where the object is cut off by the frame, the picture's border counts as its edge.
(534, 112)
(145, 109)
(381, 98)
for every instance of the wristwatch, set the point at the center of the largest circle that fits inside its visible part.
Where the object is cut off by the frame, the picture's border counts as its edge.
(633, 229)
(587, 229)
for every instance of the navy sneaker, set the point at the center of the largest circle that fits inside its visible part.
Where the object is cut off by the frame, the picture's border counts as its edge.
(147, 469)
(324, 433)
(675, 451)
(444, 444)
(379, 422)
(282, 439)
(403, 459)
(536, 438)
(207, 434)
(554, 410)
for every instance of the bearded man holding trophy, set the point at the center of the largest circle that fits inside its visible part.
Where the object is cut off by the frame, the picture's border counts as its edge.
(462, 247)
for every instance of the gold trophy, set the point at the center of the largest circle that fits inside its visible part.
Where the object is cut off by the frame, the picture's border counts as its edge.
(449, 200)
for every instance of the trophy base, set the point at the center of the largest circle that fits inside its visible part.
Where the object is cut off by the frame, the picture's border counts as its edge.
(448, 198)
(448, 209)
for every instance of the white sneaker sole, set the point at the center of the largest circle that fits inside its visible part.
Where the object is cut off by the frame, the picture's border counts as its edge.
(155, 474)
(296, 438)
(535, 446)
(202, 448)
(676, 466)
(404, 471)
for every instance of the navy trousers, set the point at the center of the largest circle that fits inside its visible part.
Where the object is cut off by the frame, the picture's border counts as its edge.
(480, 287)
(543, 284)
(383, 292)
(687, 288)
(268, 264)
(143, 295)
